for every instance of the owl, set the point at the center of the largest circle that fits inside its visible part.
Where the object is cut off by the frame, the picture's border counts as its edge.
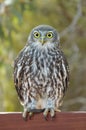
(41, 73)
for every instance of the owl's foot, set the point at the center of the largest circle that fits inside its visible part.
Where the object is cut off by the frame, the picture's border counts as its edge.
(25, 114)
(49, 108)
(30, 115)
(29, 110)
(47, 111)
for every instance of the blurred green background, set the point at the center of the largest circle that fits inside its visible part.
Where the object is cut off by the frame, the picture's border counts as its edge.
(17, 18)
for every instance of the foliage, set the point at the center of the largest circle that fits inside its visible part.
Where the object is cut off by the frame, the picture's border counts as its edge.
(16, 21)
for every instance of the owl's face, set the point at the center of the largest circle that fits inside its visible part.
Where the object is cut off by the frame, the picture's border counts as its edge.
(44, 35)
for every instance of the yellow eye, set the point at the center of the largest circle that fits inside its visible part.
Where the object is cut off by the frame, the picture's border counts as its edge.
(36, 34)
(49, 35)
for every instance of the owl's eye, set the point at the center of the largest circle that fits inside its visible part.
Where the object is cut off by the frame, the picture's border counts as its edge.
(36, 34)
(49, 35)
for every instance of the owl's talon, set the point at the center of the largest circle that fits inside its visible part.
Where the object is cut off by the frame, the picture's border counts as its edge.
(52, 113)
(45, 113)
(25, 119)
(25, 115)
(30, 115)
(45, 117)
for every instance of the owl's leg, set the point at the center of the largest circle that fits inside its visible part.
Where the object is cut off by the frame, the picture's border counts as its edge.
(29, 109)
(50, 107)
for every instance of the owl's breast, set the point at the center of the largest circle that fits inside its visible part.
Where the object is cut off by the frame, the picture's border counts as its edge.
(41, 69)
(42, 65)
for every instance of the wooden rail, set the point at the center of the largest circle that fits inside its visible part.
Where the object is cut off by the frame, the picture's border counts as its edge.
(63, 121)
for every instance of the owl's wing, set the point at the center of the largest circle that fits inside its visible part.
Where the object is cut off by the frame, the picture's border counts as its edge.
(19, 64)
(64, 71)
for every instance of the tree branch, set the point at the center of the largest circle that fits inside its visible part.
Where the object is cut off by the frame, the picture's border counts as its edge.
(72, 27)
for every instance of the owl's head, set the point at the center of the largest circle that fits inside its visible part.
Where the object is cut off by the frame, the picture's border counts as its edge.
(44, 35)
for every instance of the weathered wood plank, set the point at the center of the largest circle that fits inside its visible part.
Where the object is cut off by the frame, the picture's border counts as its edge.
(63, 121)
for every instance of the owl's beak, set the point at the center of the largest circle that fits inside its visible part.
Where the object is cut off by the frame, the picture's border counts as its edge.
(42, 40)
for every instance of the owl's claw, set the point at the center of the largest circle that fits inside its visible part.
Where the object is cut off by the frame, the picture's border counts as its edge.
(25, 115)
(45, 113)
(45, 117)
(30, 115)
(52, 113)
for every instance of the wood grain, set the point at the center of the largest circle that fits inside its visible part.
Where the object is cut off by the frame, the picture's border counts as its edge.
(63, 121)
